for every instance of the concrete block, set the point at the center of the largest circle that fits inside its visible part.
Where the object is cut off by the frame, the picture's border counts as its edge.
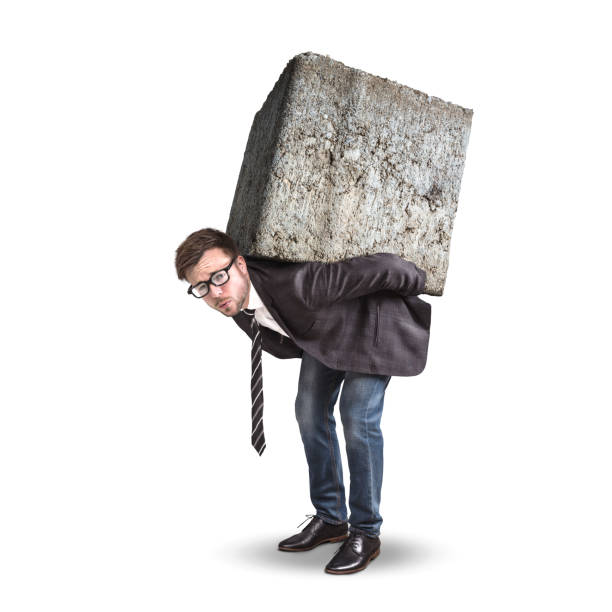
(341, 163)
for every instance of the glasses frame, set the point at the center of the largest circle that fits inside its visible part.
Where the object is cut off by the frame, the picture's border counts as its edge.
(209, 281)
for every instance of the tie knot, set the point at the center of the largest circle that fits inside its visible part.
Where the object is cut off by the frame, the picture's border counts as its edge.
(249, 311)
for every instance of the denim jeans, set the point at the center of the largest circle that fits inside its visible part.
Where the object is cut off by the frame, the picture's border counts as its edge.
(361, 405)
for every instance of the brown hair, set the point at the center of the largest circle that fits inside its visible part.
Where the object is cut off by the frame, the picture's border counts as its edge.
(192, 248)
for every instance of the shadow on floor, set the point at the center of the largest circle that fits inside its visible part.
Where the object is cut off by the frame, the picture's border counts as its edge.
(395, 553)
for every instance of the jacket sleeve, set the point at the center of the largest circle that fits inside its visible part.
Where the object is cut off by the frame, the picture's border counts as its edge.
(322, 284)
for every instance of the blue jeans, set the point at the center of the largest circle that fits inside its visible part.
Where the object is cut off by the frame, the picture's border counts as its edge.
(361, 405)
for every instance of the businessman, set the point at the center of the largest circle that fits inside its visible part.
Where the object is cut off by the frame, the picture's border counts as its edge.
(354, 323)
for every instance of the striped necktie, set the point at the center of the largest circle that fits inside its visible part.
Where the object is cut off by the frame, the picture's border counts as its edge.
(258, 440)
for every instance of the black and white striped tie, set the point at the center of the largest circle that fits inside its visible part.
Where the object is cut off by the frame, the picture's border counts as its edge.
(258, 440)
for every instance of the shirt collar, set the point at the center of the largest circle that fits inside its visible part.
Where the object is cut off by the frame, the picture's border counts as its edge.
(254, 299)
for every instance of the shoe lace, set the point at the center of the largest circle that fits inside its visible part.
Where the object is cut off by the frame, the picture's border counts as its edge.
(307, 517)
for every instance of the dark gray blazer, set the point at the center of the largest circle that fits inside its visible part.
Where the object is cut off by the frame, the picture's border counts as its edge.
(359, 315)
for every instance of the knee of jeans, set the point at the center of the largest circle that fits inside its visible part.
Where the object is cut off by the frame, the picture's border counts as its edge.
(353, 430)
(305, 412)
(357, 431)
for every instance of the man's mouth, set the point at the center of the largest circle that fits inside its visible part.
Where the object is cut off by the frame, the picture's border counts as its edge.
(223, 304)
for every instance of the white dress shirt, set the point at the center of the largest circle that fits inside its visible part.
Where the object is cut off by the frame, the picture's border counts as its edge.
(262, 314)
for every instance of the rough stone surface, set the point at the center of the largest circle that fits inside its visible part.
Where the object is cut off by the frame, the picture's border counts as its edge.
(341, 163)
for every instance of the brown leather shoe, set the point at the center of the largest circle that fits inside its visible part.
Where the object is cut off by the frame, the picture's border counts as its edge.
(354, 554)
(315, 533)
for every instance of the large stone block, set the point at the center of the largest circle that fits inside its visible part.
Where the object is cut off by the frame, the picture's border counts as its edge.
(341, 163)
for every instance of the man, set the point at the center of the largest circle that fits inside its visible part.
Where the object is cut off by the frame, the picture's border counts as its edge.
(354, 323)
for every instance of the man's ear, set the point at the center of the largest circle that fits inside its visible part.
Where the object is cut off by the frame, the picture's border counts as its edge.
(242, 264)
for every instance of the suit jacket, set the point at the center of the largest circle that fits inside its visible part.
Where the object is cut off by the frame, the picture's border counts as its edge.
(359, 315)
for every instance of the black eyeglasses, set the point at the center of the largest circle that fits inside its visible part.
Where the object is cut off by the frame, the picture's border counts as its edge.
(220, 277)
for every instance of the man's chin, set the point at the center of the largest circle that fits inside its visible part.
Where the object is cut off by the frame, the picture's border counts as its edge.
(227, 310)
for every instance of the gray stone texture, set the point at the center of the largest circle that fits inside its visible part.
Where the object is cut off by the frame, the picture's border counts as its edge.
(341, 163)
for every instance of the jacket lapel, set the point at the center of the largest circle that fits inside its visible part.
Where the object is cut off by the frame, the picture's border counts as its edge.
(257, 280)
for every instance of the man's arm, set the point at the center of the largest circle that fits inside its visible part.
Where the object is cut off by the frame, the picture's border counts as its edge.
(323, 284)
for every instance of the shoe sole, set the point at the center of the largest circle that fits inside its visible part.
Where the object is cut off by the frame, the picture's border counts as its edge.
(336, 539)
(359, 569)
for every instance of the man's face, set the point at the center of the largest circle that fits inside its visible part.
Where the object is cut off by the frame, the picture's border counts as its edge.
(230, 297)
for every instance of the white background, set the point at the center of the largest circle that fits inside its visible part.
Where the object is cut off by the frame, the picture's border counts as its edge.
(128, 481)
